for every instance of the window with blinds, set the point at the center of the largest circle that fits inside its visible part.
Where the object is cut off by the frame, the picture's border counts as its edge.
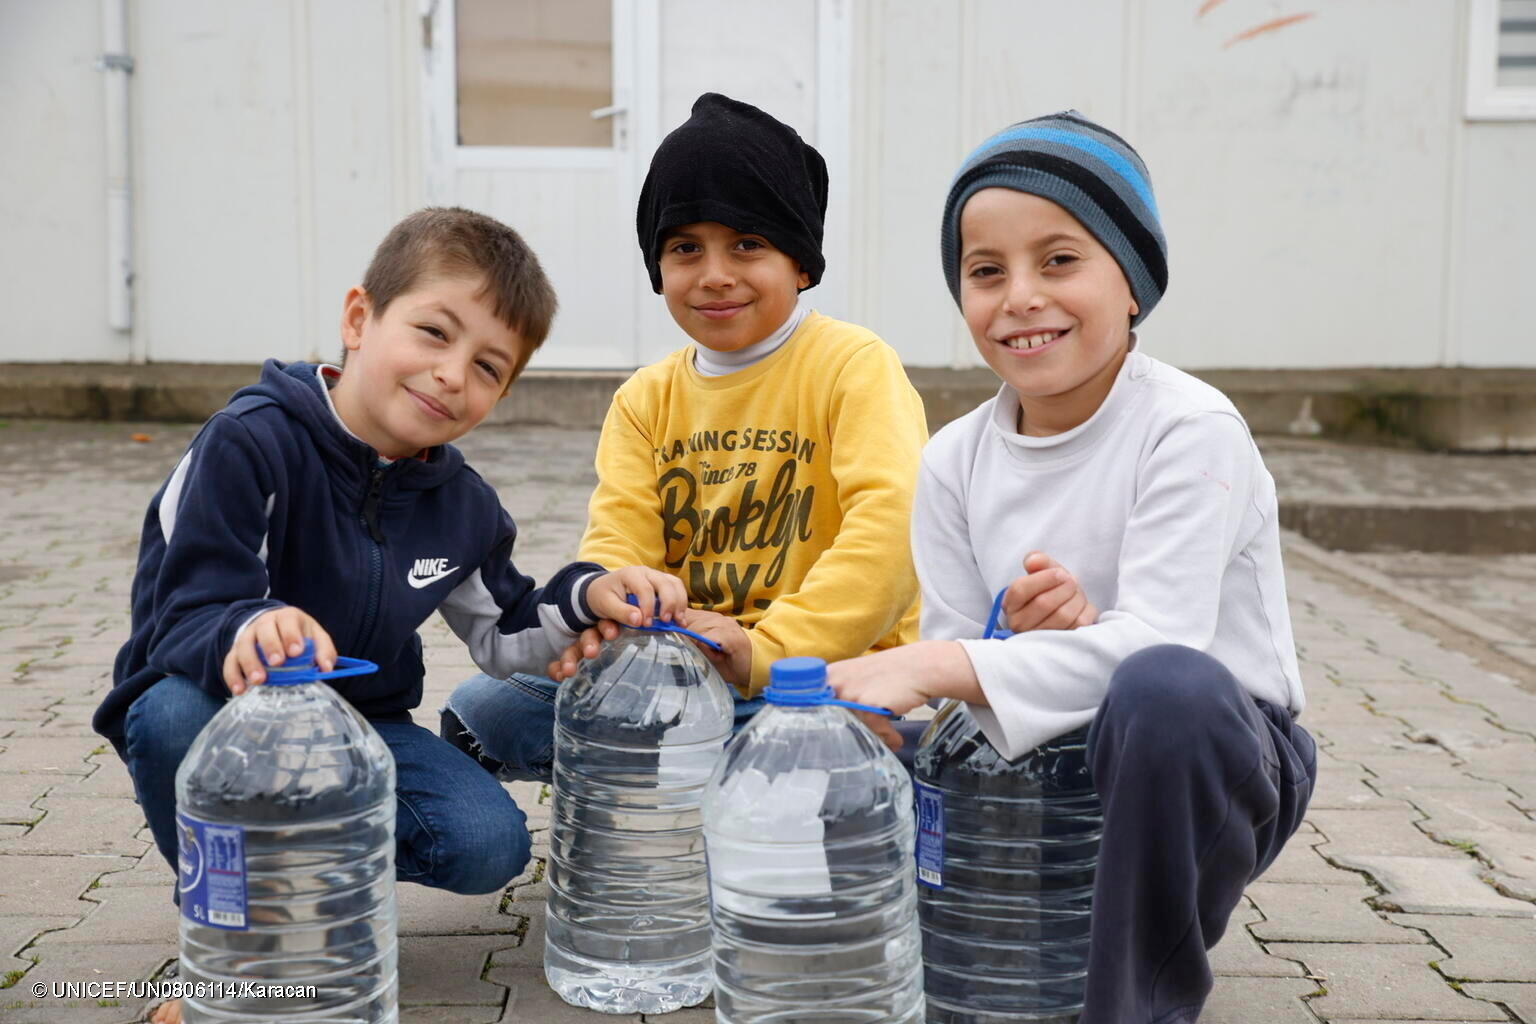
(1501, 60)
(530, 72)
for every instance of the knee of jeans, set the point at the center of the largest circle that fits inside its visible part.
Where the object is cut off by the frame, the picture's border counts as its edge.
(164, 721)
(1168, 684)
(507, 725)
(485, 857)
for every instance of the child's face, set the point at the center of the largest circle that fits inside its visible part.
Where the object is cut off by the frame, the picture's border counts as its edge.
(727, 289)
(427, 370)
(1046, 304)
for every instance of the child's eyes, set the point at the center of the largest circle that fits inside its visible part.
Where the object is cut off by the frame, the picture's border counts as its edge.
(684, 248)
(490, 369)
(435, 332)
(749, 244)
(985, 270)
(1060, 259)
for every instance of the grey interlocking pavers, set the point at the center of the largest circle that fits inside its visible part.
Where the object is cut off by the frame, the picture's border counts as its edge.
(1433, 885)
(448, 970)
(121, 914)
(426, 911)
(17, 933)
(109, 779)
(82, 825)
(451, 1014)
(1254, 1000)
(150, 869)
(1239, 955)
(48, 755)
(1481, 949)
(1322, 913)
(1303, 861)
(18, 799)
(59, 964)
(1366, 982)
(31, 885)
(1390, 831)
(1519, 998)
(1417, 736)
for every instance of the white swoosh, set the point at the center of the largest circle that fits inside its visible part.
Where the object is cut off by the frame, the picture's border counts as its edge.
(426, 581)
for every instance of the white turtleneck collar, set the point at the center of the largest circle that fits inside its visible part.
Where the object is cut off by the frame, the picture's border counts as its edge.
(718, 364)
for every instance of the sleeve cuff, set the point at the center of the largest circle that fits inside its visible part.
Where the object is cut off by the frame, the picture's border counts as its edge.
(580, 616)
(764, 654)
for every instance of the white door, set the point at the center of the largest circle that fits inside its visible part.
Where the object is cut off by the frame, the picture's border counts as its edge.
(545, 113)
(530, 107)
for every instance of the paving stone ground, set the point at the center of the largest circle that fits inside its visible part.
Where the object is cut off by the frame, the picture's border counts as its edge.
(1407, 896)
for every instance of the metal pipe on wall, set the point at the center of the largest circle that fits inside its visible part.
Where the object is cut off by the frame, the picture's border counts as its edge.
(116, 65)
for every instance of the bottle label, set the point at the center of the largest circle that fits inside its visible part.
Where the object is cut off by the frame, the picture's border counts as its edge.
(930, 835)
(212, 875)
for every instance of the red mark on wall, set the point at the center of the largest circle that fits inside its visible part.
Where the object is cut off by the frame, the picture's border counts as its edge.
(1208, 5)
(1268, 26)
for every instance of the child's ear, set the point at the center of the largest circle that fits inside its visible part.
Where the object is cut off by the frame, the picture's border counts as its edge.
(356, 308)
(1134, 309)
(803, 281)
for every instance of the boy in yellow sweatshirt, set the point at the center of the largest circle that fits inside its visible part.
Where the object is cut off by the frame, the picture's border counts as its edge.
(770, 464)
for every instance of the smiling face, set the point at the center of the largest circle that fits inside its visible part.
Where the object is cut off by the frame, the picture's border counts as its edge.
(427, 369)
(725, 288)
(1047, 305)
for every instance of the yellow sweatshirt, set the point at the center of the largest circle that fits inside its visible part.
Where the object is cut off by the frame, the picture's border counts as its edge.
(780, 494)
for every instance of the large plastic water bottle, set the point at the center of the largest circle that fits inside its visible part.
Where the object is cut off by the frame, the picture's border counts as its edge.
(285, 813)
(638, 730)
(1005, 861)
(808, 823)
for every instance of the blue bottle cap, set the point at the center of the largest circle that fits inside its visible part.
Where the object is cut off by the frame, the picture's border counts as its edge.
(802, 682)
(301, 667)
(797, 674)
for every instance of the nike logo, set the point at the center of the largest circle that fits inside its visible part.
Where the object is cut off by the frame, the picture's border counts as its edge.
(428, 571)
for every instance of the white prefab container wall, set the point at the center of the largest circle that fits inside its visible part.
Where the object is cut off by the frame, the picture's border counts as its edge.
(1342, 184)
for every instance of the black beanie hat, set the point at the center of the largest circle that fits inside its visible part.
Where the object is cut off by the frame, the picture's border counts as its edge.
(733, 164)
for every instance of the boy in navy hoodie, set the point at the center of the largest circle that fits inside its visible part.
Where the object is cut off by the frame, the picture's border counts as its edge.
(327, 503)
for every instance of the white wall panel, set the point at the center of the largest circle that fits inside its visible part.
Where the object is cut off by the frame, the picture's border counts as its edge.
(53, 273)
(909, 101)
(760, 53)
(220, 271)
(1302, 175)
(1495, 264)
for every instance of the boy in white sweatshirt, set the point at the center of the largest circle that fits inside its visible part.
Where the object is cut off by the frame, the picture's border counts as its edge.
(1146, 483)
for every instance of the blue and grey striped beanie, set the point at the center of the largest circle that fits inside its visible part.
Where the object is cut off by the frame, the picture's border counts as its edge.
(1088, 171)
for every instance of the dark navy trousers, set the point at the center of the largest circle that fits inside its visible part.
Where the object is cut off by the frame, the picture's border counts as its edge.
(1202, 785)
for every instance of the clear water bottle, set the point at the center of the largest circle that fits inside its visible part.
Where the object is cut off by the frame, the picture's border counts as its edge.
(1005, 861)
(809, 827)
(638, 729)
(285, 813)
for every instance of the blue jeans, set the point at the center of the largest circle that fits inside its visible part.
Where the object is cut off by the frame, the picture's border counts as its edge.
(508, 725)
(455, 828)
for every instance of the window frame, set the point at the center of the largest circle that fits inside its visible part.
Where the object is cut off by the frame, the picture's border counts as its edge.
(440, 94)
(1486, 99)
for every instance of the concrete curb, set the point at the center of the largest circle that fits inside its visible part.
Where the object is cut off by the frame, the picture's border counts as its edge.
(1499, 648)
(1458, 409)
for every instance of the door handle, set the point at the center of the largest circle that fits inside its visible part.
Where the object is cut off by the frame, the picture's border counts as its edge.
(602, 112)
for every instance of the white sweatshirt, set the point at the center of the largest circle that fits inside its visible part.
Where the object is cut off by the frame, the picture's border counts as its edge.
(1161, 507)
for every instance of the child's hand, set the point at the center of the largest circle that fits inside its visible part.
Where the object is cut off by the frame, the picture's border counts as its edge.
(1047, 597)
(586, 645)
(902, 678)
(885, 679)
(606, 596)
(280, 635)
(734, 660)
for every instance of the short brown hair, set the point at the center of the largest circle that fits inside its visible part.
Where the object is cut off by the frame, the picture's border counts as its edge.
(450, 240)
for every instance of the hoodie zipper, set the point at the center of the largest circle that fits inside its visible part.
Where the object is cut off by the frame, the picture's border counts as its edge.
(369, 517)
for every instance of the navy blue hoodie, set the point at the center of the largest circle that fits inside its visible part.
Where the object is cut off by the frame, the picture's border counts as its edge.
(275, 503)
